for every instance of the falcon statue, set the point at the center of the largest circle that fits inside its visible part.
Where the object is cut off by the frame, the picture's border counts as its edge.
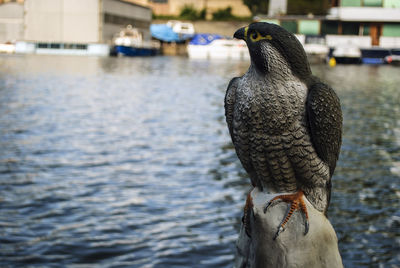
(285, 124)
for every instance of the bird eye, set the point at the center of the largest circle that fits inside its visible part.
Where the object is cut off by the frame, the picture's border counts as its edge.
(255, 36)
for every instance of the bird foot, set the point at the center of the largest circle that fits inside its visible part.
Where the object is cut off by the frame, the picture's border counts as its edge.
(296, 202)
(246, 215)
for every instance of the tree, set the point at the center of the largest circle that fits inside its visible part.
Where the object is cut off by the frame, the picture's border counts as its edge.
(223, 14)
(257, 6)
(302, 7)
(188, 12)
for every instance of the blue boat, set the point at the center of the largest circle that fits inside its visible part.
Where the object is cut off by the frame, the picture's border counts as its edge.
(173, 31)
(374, 55)
(130, 42)
(135, 51)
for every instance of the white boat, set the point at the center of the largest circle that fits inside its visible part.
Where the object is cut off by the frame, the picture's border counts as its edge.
(216, 47)
(394, 57)
(7, 48)
(315, 48)
(347, 54)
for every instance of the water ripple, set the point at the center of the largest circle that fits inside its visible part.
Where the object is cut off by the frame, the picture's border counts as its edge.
(128, 162)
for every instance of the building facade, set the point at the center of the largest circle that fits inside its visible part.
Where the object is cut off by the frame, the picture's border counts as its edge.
(116, 14)
(78, 27)
(76, 21)
(375, 22)
(11, 22)
(374, 18)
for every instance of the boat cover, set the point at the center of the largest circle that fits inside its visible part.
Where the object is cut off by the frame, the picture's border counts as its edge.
(204, 39)
(165, 33)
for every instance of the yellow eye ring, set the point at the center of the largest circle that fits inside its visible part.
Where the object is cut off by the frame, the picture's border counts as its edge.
(256, 36)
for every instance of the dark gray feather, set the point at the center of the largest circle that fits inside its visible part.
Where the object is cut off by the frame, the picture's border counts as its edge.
(230, 103)
(325, 122)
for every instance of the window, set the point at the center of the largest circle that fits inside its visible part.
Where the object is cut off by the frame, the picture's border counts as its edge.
(329, 27)
(289, 25)
(351, 3)
(309, 27)
(42, 45)
(61, 46)
(366, 29)
(81, 46)
(350, 28)
(57, 46)
(372, 3)
(391, 29)
(391, 3)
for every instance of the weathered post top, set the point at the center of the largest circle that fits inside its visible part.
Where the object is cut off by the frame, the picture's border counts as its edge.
(319, 248)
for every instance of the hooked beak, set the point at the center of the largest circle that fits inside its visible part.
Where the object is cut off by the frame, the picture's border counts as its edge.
(240, 34)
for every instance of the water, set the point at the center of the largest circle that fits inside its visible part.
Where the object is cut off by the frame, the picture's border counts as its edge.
(128, 162)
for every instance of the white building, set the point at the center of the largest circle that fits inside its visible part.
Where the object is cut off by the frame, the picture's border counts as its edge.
(366, 23)
(78, 27)
(378, 19)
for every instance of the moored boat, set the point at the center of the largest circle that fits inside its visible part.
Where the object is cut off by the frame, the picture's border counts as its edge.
(129, 42)
(173, 31)
(211, 46)
(393, 58)
(374, 55)
(8, 48)
(346, 54)
(315, 48)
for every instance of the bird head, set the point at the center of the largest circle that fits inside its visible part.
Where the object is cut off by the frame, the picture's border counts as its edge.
(269, 43)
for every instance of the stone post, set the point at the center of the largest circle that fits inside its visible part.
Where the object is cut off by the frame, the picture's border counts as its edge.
(318, 248)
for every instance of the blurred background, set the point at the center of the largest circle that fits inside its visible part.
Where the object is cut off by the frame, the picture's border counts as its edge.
(114, 149)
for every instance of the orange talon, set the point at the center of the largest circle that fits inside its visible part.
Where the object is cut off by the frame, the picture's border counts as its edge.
(296, 203)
